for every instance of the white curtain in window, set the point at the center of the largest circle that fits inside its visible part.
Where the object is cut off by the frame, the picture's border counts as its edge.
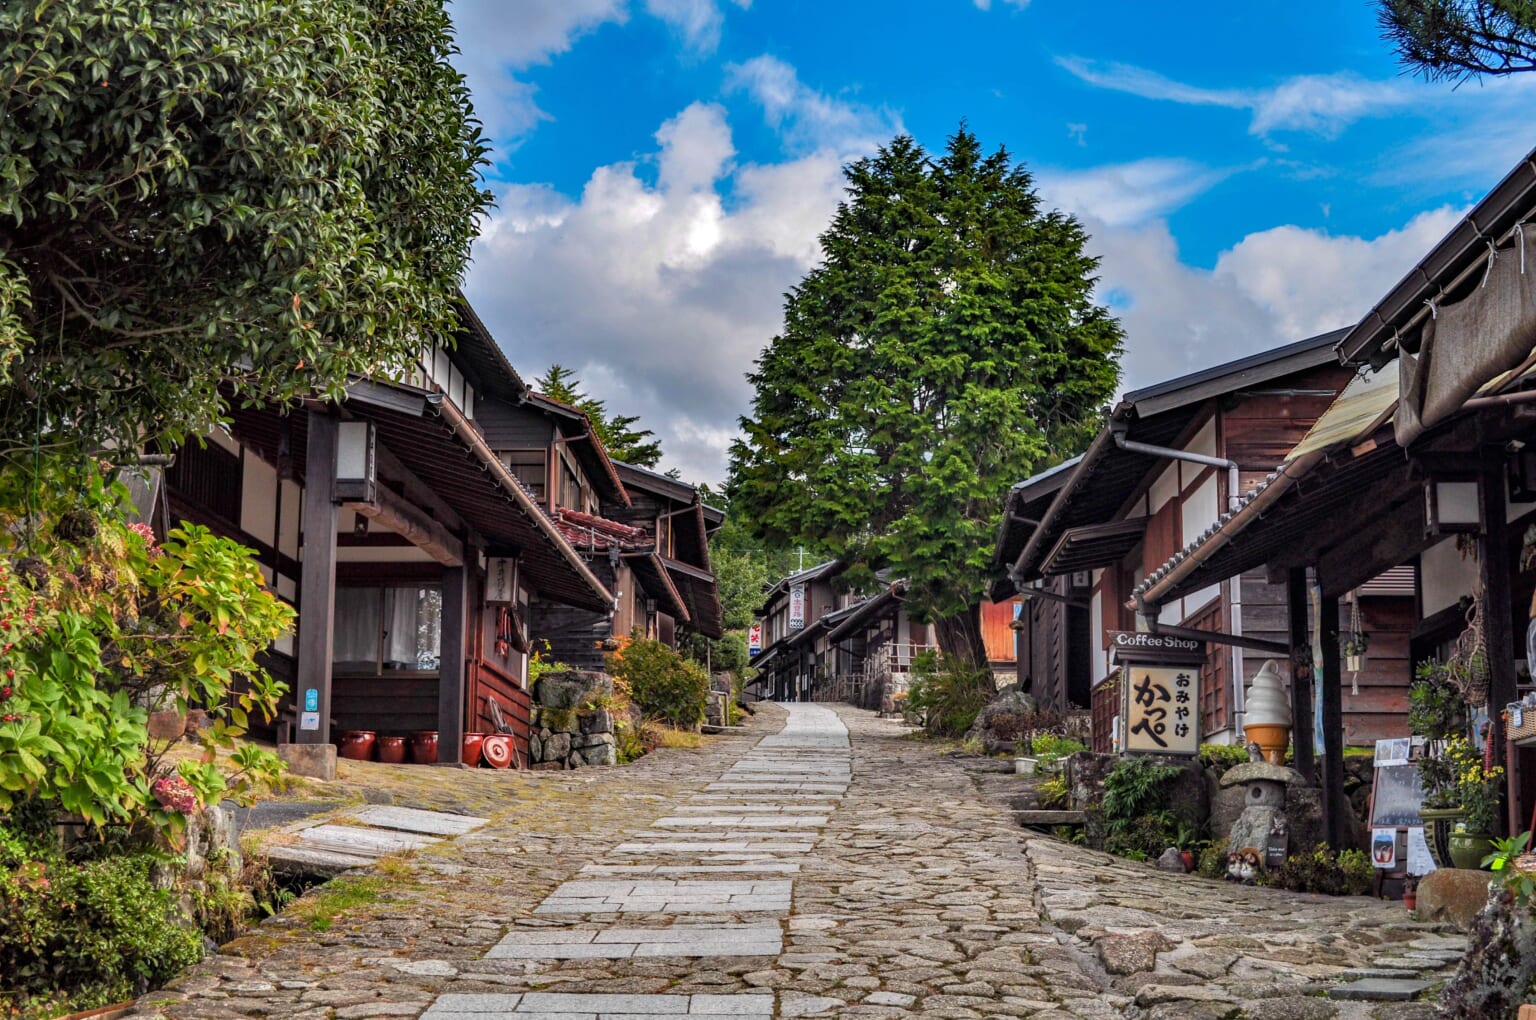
(412, 627)
(356, 643)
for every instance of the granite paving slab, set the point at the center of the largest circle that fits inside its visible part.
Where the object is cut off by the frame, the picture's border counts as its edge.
(689, 940)
(362, 842)
(432, 823)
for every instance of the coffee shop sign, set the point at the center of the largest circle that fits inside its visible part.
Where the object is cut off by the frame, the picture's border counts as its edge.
(1138, 641)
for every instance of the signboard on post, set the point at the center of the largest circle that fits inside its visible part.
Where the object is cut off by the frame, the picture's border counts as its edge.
(1159, 692)
(755, 639)
(501, 580)
(797, 607)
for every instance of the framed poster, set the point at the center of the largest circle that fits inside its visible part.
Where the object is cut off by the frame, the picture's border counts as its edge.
(1384, 848)
(1159, 692)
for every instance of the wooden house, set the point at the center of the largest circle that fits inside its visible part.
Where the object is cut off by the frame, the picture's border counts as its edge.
(1423, 467)
(414, 554)
(1169, 462)
(790, 617)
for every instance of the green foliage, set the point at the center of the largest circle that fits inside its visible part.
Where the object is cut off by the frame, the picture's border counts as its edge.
(946, 346)
(274, 194)
(616, 431)
(1347, 873)
(947, 693)
(1223, 756)
(1054, 793)
(1437, 711)
(539, 663)
(1455, 40)
(1521, 884)
(1138, 822)
(662, 684)
(100, 627)
(337, 898)
(1212, 862)
(80, 934)
(1050, 747)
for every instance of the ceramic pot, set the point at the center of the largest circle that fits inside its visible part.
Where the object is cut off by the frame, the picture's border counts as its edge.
(1189, 860)
(357, 744)
(1469, 848)
(392, 750)
(424, 747)
(498, 750)
(1438, 825)
(472, 744)
(1411, 899)
(1272, 739)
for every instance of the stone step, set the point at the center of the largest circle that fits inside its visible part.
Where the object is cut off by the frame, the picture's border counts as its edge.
(294, 859)
(1032, 819)
(1380, 990)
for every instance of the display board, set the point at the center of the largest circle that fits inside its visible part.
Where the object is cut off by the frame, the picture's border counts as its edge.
(1398, 797)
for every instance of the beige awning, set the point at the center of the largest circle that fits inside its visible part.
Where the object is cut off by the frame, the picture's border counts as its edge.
(1365, 405)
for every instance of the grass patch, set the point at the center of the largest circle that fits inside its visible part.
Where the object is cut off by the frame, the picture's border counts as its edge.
(336, 899)
(668, 737)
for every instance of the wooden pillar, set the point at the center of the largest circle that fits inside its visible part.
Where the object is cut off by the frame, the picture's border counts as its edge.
(317, 605)
(1497, 611)
(1337, 824)
(452, 663)
(1301, 673)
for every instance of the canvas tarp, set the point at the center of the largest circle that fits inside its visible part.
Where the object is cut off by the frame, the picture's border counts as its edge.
(1468, 343)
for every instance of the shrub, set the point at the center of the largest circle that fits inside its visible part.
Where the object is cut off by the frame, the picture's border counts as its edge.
(97, 931)
(947, 693)
(1137, 820)
(1049, 747)
(1213, 860)
(1223, 756)
(1349, 873)
(662, 683)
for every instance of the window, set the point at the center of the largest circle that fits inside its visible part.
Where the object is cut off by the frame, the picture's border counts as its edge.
(387, 630)
(528, 467)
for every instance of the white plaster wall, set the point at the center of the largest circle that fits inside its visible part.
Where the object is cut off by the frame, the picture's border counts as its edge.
(1445, 575)
(1166, 487)
(1096, 637)
(258, 498)
(1204, 441)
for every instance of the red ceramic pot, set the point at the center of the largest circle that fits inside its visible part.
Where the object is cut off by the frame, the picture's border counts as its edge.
(498, 751)
(357, 744)
(472, 744)
(424, 747)
(392, 750)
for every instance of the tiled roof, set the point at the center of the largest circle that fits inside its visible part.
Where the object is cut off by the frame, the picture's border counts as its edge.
(588, 531)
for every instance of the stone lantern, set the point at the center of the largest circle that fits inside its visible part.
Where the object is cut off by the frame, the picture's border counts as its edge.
(1267, 713)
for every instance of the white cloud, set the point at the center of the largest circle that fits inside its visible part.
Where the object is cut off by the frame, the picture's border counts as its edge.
(1272, 287)
(806, 117)
(697, 21)
(658, 295)
(986, 5)
(1128, 193)
(1320, 104)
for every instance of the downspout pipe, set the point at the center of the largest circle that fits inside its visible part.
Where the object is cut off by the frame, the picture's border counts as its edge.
(1119, 428)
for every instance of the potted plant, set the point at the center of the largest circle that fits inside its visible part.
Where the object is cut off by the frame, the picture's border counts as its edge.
(1354, 648)
(1479, 787)
(1437, 713)
(1411, 894)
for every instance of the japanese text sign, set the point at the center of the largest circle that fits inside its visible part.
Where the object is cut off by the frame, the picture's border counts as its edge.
(1161, 709)
(797, 607)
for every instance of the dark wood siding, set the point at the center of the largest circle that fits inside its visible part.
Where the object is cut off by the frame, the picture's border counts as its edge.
(384, 704)
(1259, 430)
(512, 428)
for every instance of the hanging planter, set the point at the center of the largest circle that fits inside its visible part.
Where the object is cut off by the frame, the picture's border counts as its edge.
(1356, 644)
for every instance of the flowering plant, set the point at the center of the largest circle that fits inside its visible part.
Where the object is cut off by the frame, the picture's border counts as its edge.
(1479, 785)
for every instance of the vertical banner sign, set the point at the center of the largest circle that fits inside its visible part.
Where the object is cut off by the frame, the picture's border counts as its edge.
(500, 580)
(797, 607)
(1160, 692)
(755, 639)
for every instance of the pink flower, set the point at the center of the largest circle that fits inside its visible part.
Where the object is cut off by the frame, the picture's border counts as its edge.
(145, 532)
(175, 794)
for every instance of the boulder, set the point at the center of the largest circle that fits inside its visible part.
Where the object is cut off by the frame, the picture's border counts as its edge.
(1492, 978)
(1453, 894)
(167, 725)
(583, 742)
(1172, 861)
(602, 754)
(1227, 805)
(557, 747)
(572, 689)
(1003, 722)
(535, 747)
(1304, 817)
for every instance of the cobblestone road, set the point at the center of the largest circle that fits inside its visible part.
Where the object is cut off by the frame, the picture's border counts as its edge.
(820, 865)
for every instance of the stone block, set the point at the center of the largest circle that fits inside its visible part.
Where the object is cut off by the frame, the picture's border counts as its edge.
(1131, 954)
(1226, 807)
(572, 689)
(603, 754)
(557, 747)
(316, 761)
(1454, 895)
(535, 747)
(597, 721)
(1172, 861)
(581, 742)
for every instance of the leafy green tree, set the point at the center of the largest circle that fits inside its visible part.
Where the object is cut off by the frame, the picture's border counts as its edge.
(620, 437)
(1460, 39)
(263, 195)
(947, 346)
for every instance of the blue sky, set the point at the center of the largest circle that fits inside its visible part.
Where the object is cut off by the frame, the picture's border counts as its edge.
(663, 168)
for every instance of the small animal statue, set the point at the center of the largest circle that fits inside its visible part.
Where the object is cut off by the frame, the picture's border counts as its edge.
(1254, 753)
(1245, 865)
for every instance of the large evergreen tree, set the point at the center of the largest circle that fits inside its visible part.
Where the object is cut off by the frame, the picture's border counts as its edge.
(947, 346)
(1459, 39)
(619, 432)
(268, 195)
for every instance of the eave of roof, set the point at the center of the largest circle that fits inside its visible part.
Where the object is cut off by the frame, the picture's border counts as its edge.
(870, 608)
(492, 373)
(592, 450)
(1106, 476)
(1511, 201)
(1027, 501)
(816, 573)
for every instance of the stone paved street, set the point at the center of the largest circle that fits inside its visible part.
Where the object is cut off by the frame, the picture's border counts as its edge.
(822, 864)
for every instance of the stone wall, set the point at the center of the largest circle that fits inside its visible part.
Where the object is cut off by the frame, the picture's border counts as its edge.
(572, 725)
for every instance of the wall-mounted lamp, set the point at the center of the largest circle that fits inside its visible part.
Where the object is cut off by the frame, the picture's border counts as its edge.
(1451, 506)
(356, 472)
